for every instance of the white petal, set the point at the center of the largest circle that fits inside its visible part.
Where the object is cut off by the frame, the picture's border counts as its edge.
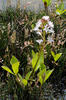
(39, 33)
(51, 24)
(48, 29)
(36, 28)
(39, 41)
(38, 24)
(51, 30)
(46, 18)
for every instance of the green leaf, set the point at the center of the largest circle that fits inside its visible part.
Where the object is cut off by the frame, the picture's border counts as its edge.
(24, 82)
(59, 12)
(15, 68)
(15, 64)
(53, 54)
(57, 56)
(28, 75)
(40, 60)
(37, 60)
(41, 72)
(20, 76)
(34, 59)
(41, 80)
(42, 66)
(33, 53)
(7, 69)
(48, 73)
(13, 60)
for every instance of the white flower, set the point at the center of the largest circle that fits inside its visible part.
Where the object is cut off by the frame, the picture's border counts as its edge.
(46, 28)
(39, 33)
(45, 18)
(50, 39)
(49, 29)
(36, 28)
(38, 24)
(39, 41)
(51, 24)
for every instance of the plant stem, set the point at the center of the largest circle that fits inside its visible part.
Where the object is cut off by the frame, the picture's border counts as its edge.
(46, 8)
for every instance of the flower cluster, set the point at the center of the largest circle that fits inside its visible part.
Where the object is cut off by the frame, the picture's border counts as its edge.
(44, 24)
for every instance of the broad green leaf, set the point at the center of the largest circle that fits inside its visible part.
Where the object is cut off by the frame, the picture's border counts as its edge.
(41, 72)
(28, 75)
(24, 82)
(48, 73)
(13, 60)
(40, 60)
(7, 69)
(15, 68)
(42, 66)
(53, 54)
(57, 56)
(15, 64)
(34, 59)
(41, 80)
(33, 53)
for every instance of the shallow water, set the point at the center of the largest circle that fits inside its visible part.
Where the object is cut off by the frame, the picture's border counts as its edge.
(33, 5)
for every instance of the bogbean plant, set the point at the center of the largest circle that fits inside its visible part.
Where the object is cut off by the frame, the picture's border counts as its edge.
(37, 63)
(38, 72)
